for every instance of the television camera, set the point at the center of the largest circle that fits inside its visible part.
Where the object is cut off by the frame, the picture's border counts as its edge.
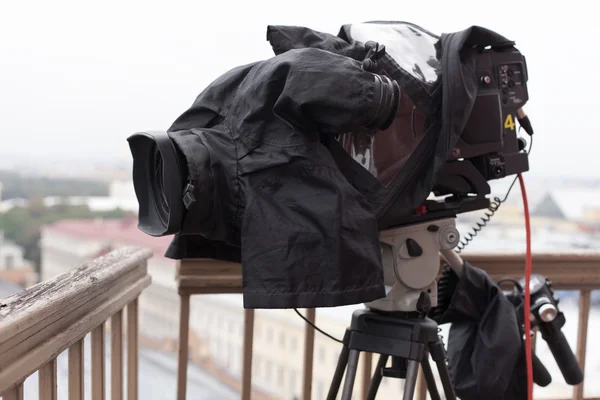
(179, 177)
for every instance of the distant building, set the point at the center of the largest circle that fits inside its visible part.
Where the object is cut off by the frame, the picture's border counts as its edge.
(11, 255)
(14, 269)
(121, 195)
(122, 189)
(573, 205)
(7, 205)
(548, 207)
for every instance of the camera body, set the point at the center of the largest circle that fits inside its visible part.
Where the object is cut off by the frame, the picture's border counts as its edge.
(489, 147)
(489, 140)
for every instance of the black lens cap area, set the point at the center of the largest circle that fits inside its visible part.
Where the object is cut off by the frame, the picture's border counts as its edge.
(158, 182)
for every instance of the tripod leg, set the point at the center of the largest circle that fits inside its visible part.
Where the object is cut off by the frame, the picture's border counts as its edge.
(377, 376)
(410, 383)
(350, 374)
(438, 353)
(339, 374)
(429, 379)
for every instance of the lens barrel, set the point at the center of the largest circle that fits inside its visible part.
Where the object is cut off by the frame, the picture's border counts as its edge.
(386, 99)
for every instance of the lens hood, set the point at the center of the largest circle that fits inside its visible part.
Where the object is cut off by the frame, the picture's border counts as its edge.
(158, 181)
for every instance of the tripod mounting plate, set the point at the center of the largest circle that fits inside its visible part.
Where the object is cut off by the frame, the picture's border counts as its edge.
(409, 338)
(395, 334)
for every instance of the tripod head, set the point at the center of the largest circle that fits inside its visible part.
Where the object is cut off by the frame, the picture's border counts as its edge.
(411, 260)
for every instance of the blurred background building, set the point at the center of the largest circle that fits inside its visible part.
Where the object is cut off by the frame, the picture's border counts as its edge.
(14, 269)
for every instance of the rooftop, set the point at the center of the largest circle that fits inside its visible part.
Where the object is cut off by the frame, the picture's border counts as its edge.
(120, 231)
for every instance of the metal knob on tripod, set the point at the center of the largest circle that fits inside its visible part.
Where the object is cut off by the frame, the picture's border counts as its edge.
(396, 326)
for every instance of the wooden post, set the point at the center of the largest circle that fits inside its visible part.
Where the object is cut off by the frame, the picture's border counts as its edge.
(76, 371)
(248, 339)
(584, 313)
(184, 331)
(116, 355)
(132, 350)
(98, 363)
(309, 347)
(48, 382)
(15, 393)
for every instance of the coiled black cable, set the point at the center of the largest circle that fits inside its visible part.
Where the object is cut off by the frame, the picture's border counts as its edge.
(447, 284)
(488, 214)
(479, 225)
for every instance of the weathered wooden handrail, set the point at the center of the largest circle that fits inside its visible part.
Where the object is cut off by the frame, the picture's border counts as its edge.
(39, 323)
(568, 271)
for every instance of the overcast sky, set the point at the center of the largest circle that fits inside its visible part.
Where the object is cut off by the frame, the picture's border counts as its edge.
(76, 77)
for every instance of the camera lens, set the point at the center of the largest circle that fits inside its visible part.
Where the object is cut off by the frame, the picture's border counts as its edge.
(158, 187)
(157, 180)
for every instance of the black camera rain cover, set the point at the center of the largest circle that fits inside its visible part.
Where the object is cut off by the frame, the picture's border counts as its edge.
(298, 252)
(436, 76)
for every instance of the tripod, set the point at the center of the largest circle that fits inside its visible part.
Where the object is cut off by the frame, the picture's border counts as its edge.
(407, 338)
(396, 326)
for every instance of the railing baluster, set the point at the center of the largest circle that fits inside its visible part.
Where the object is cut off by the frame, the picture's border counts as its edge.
(15, 393)
(367, 368)
(98, 363)
(116, 355)
(76, 371)
(584, 313)
(184, 337)
(132, 350)
(48, 381)
(309, 347)
(248, 339)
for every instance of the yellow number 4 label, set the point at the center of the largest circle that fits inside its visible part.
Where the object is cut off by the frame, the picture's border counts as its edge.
(509, 123)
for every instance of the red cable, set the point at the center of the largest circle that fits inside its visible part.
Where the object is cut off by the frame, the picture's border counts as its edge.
(527, 311)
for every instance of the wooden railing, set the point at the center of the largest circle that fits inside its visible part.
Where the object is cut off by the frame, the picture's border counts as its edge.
(38, 324)
(568, 271)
